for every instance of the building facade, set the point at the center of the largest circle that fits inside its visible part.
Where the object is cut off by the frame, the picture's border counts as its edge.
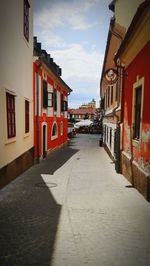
(111, 77)
(81, 113)
(16, 94)
(109, 90)
(50, 94)
(134, 55)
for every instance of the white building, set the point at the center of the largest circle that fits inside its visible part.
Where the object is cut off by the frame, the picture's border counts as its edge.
(16, 94)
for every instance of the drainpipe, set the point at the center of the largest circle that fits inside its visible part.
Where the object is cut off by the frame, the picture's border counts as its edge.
(37, 111)
(119, 118)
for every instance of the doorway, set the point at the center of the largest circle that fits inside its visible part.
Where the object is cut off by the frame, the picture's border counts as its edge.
(44, 142)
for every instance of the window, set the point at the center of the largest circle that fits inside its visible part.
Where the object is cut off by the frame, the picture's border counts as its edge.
(45, 94)
(106, 100)
(64, 104)
(26, 19)
(110, 136)
(54, 131)
(108, 92)
(137, 112)
(111, 94)
(50, 99)
(26, 116)
(11, 123)
(61, 128)
(55, 100)
(117, 90)
(107, 134)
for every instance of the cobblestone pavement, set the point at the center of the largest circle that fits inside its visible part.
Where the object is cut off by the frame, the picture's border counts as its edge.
(74, 210)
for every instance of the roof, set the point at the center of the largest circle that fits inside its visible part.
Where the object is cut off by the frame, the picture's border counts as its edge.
(112, 5)
(106, 50)
(82, 111)
(134, 24)
(45, 58)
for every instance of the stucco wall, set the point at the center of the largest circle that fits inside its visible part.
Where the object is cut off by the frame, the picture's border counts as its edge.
(16, 77)
(137, 70)
(125, 10)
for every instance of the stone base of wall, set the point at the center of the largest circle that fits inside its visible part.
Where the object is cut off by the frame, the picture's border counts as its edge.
(16, 167)
(138, 178)
(51, 151)
(108, 151)
(126, 167)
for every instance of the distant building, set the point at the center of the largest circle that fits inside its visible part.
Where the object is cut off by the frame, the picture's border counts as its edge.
(81, 113)
(90, 104)
(50, 104)
(16, 91)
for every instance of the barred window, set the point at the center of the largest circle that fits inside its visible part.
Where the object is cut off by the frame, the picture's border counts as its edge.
(11, 121)
(26, 19)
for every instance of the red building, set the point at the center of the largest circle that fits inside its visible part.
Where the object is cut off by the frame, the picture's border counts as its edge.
(82, 113)
(50, 95)
(134, 55)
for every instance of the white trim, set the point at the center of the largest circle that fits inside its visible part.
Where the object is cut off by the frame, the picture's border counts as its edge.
(61, 128)
(112, 125)
(126, 155)
(28, 133)
(12, 139)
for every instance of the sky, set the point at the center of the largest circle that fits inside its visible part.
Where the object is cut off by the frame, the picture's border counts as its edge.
(74, 33)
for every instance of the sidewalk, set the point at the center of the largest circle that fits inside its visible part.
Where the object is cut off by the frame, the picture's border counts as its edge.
(74, 210)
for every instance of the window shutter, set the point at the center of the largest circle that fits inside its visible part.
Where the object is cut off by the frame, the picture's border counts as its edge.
(45, 94)
(55, 100)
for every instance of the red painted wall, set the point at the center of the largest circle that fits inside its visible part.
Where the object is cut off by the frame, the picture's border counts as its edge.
(140, 66)
(48, 120)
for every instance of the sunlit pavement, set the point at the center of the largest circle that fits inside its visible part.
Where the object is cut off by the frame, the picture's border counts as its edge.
(73, 210)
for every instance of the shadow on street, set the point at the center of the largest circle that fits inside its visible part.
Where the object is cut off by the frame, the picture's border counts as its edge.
(29, 215)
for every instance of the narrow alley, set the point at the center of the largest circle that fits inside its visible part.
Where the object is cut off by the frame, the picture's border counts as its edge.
(73, 210)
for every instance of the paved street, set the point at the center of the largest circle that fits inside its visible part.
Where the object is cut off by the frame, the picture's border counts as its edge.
(74, 210)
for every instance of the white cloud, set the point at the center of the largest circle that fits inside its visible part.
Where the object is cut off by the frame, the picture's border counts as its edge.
(81, 69)
(55, 15)
(77, 63)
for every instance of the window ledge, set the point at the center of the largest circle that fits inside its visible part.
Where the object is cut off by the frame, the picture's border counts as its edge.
(26, 135)
(135, 142)
(11, 140)
(54, 137)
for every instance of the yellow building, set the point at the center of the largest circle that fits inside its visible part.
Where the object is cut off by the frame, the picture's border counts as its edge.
(16, 96)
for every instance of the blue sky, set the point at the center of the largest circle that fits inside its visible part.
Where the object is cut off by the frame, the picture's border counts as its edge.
(75, 32)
